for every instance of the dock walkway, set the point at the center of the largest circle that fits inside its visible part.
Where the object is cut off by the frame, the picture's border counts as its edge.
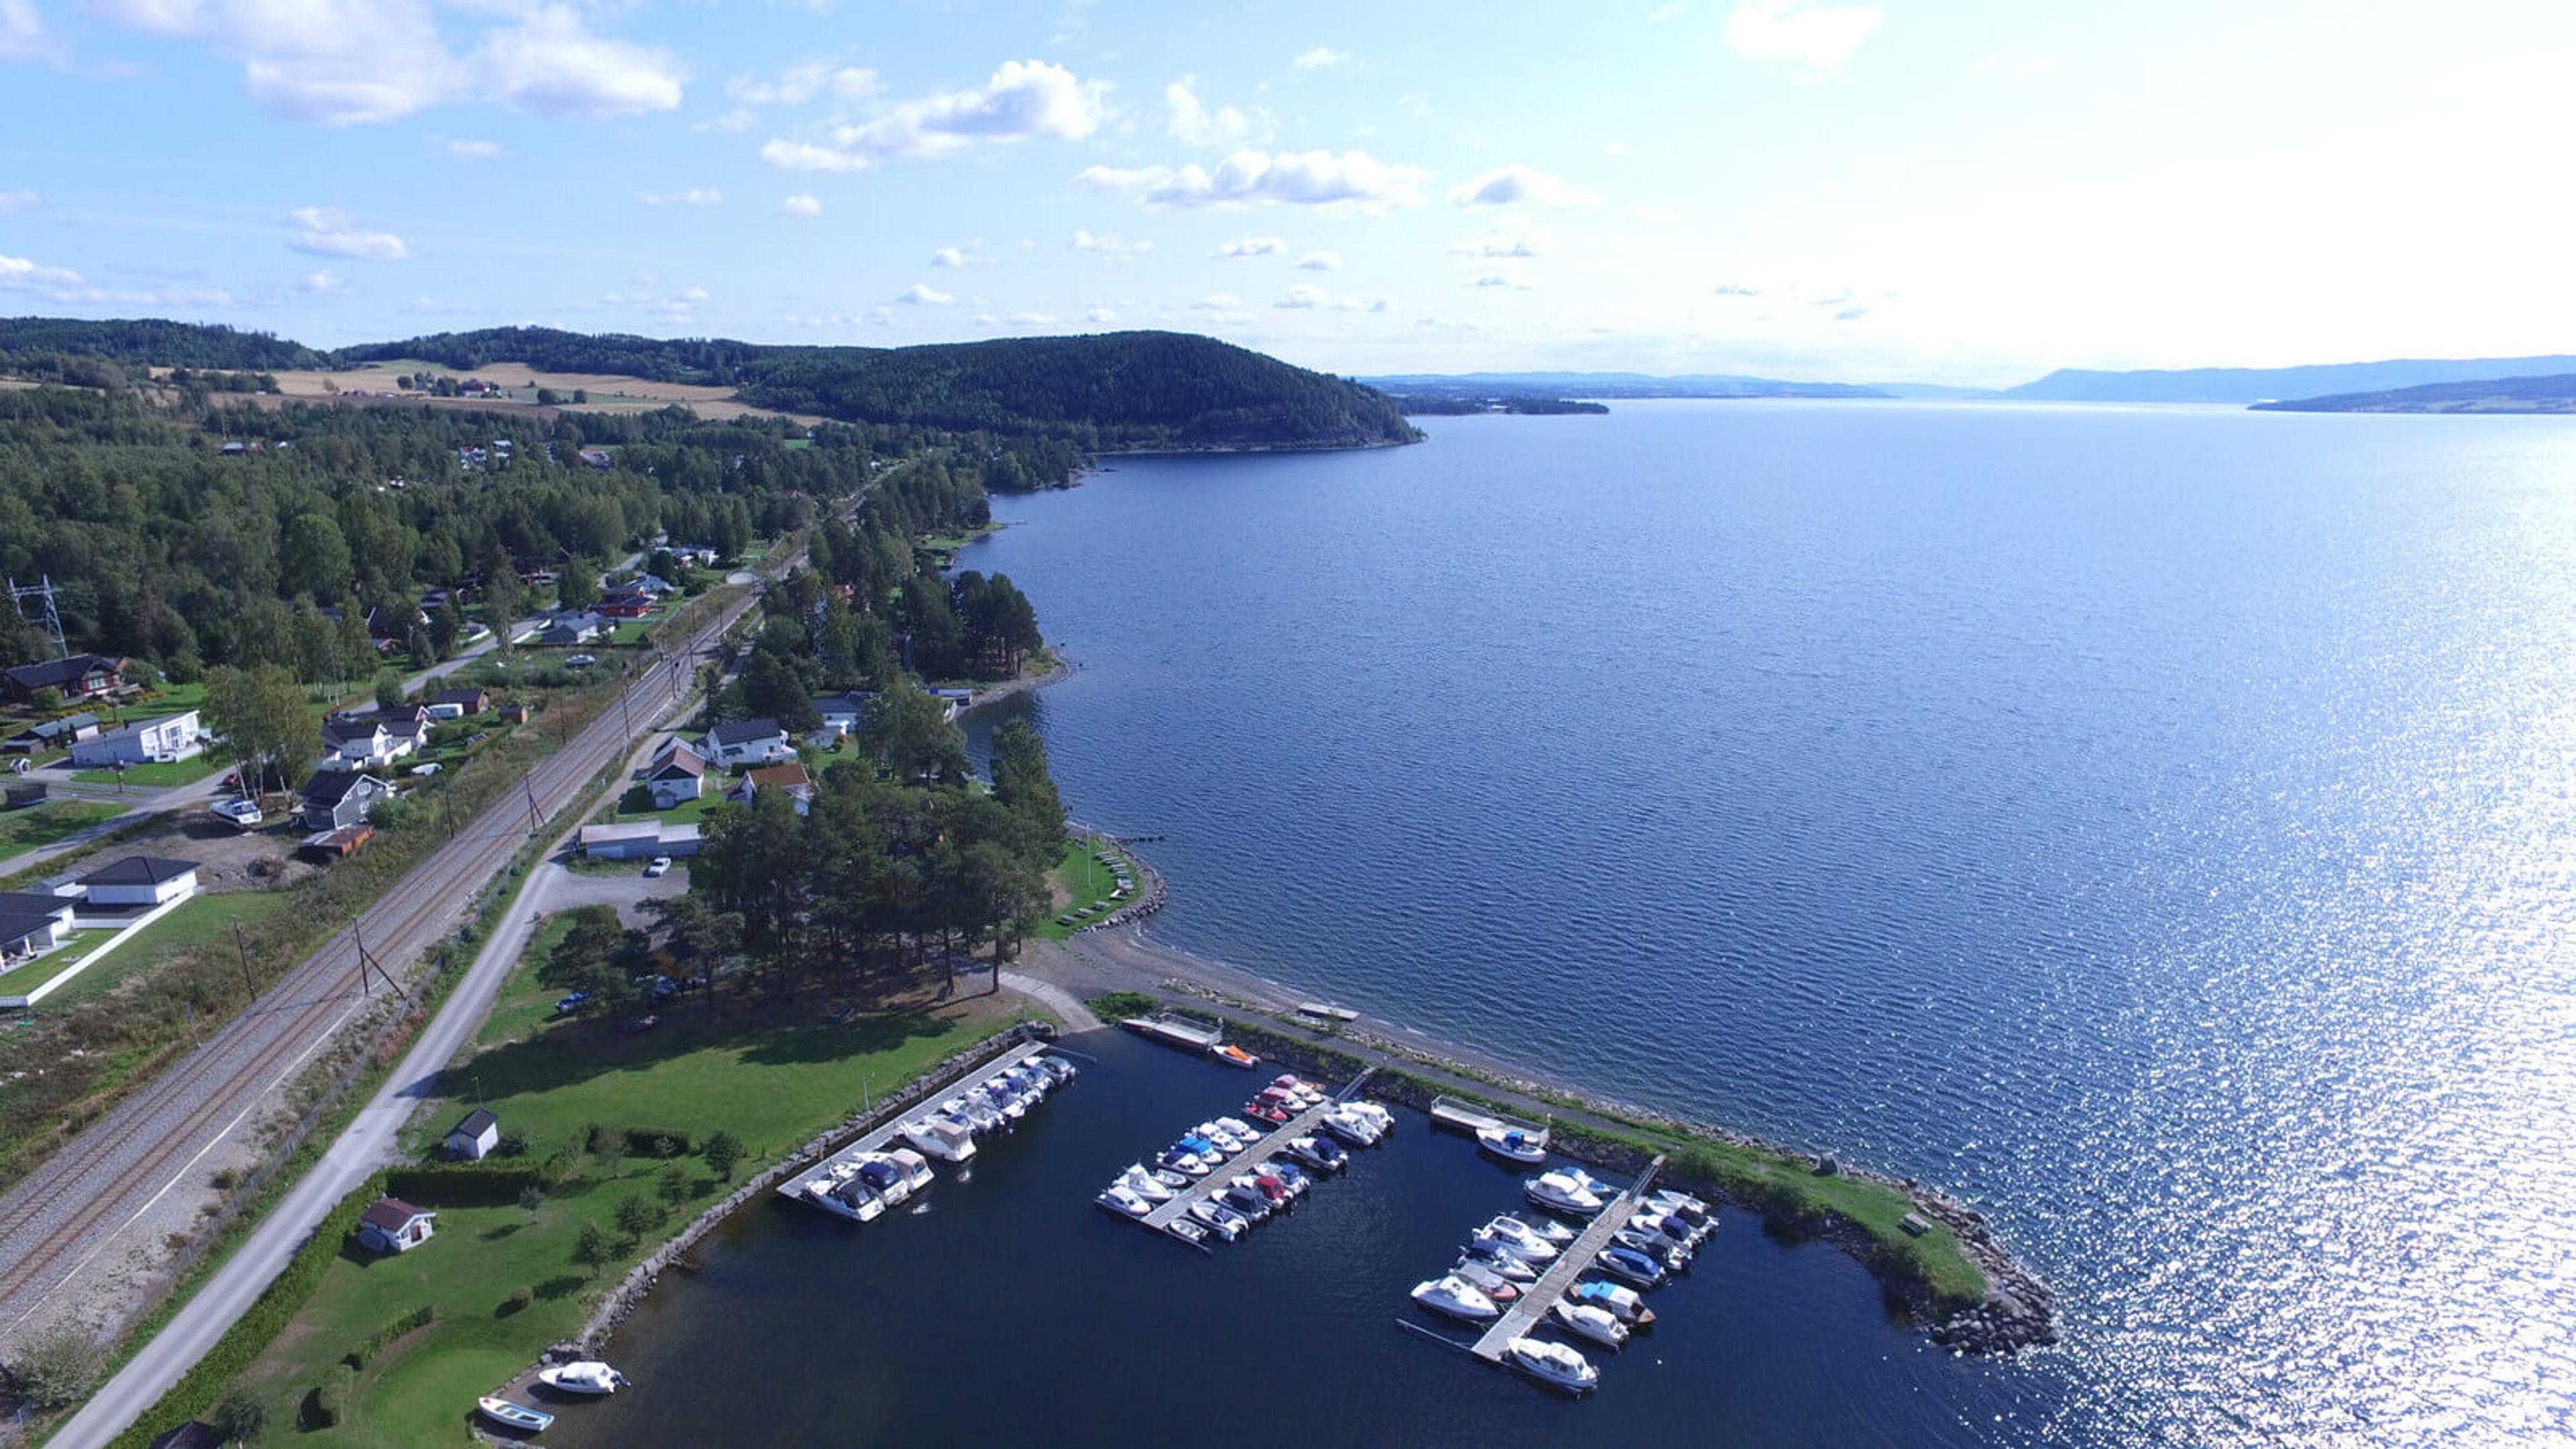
(877, 1138)
(1531, 1308)
(1165, 1214)
(1471, 1119)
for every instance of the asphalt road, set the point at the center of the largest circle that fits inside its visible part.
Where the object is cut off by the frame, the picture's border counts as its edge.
(58, 1221)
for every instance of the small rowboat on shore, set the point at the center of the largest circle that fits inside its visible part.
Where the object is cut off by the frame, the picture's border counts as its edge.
(513, 1416)
(1234, 1056)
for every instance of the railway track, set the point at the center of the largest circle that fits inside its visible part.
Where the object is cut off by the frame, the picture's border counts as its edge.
(78, 1205)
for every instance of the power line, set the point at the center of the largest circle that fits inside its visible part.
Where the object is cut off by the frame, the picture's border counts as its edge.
(43, 589)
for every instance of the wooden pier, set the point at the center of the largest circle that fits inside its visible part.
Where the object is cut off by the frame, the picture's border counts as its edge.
(1471, 1119)
(1173, 1028)
(1201, 1189)
(1532, 1308)
(879, 1137)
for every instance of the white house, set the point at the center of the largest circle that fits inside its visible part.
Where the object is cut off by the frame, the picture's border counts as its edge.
(334, 799)
(676, 776)
(747, 742)
(31, 925)
(473, 1138)
(140, 880)
(173, 737)
(394, 1226)
(363, 742)
(843, 713)
(789, 777)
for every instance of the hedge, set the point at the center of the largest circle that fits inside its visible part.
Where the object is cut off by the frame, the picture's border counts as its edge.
(461, 1185)
(194, 1395)
(641, 1141)
(377, 1342)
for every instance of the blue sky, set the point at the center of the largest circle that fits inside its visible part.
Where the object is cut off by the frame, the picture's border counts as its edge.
(1971, 191)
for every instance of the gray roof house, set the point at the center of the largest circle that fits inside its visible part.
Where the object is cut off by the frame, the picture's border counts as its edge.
(334, 798)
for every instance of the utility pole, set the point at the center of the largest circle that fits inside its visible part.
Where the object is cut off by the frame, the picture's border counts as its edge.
(250, 984)
(42, 589)
(532, 804)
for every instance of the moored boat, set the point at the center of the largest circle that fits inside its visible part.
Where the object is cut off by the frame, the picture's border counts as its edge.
(1562, 1192)
(589, 1376)
(1588, 1320)
(1524, 1239)
(1620, 1301)
(1456, 1297)
(1124, 1203)
(1512, 1145)
(945, 1138)
(1630, 1266)
(1488, 1282)
(1552, 1364)
(513, 1416)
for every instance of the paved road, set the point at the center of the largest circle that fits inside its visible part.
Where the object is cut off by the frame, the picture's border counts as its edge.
(369, 1143)
(55, 1223)
(1077, 1017)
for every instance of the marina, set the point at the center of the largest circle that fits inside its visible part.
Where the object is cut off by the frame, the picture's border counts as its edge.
(1172, 1028)
(1531, 1308)
(1206, 1188)
(1509, 1138)
(810, 1185)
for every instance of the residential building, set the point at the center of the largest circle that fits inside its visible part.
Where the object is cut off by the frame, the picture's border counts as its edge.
(82, 676)
(53, 734)
(626, 604)
(638, 840)
(676, 776)
(172, 737)
(394, 1226)
(369, 742)
(844, 713)
(789, 777)
(747, 742)
(460, 701)
(31, 925)
(141, 880)
(336, 798)
(471, 1139)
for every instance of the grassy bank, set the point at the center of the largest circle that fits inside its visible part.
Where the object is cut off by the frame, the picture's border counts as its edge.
(44, 824)
(500, 1281)
(1082, 887)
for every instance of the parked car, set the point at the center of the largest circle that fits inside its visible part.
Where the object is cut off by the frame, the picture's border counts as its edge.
(661, 865)
(426, 767)
(574, 1002)
(582, 661)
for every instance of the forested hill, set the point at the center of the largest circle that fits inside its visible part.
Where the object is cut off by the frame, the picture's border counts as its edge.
(1106, 393)
(2490, 395)
(2261, 384)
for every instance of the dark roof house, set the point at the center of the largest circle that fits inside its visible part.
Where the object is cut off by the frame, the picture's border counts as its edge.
(78, 677)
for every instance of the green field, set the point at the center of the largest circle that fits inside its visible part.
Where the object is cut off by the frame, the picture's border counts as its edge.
(155, 775)
(637, 804)
(74, 949)
(1082, 883)
(207, 919)
(771, 1082)
(44, 824)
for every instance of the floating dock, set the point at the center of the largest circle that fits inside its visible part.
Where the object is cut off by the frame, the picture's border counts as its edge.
(1471, 1119)
(1531, 1309)
(880, 1137)
(1172, 1028)
(1200, 1190)
(1326, 1011)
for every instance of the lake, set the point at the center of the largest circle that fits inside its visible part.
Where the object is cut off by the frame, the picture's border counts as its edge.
(2153, 826)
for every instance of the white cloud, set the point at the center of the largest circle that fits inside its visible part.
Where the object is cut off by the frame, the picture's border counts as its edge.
(473, 150)
(324, 283)
(62, 284)
(1100, 316)
(1504, 243)
(730, 123)
(1505, 185)
(1025, 100)
(1818, 38)
(325, 232)
(1309, 298)
(678, 308)
(1193, 124)
(694, 196)
(1662, 13)
(1251, 246)
(18, 274)
(23, 37)
(552, 65)
(803, 203)
(353, 62)
(1031, 319)
(1304, 297)
(19, 201)
(1310, 178)
(1320, 262)
(1498, 277)
(1109, 245)
(1217, 302)
(1732, 289)
(948, 257)
(803, 82)
(1322, 57)
(922, 295)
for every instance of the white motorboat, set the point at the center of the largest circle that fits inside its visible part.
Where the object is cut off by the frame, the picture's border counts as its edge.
(941, 1137)
(1602, 1190)
(1289, 1177)
(889, 1179)
(1218, 1137)
(1561, 1192)
(1668, 1226)
(1656, 1246)
(1124, 1203)
(849, 1197)
(1058, 1069)
(1586, 1320)
(1187, 1231)
(1245, 1197)
(1309, 1152)
(1630, 1266)
(1548, 1228)
(589, 1376)
(1496, 1260)
(1374, 1111)
(977, 1112)
(1511, 1144)
(1352, 1128)
(1524, 1239)
(1623, 1302)
(1182, 1161)
(1144, 1184)
(916, 1168)
(1457, 1298)
(1173, 1180)
(1243, 1131)
(1553, 1364)
(1220, 1220)
(1003, 1100)
(1488, 1282)
(1682, 1202)
(513, 1416)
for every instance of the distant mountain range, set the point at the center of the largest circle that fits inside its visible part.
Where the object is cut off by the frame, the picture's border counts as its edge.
(1617, 385)
(2555, 394)
(2265, 384)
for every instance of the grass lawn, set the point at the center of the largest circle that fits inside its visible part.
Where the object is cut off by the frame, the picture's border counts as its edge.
(770, 1081)
(75, 949)
(1082, 882)
(155, 775)
(44, 824)
(208, 918)
(632, 631)
(637, 804)
(170, 699)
